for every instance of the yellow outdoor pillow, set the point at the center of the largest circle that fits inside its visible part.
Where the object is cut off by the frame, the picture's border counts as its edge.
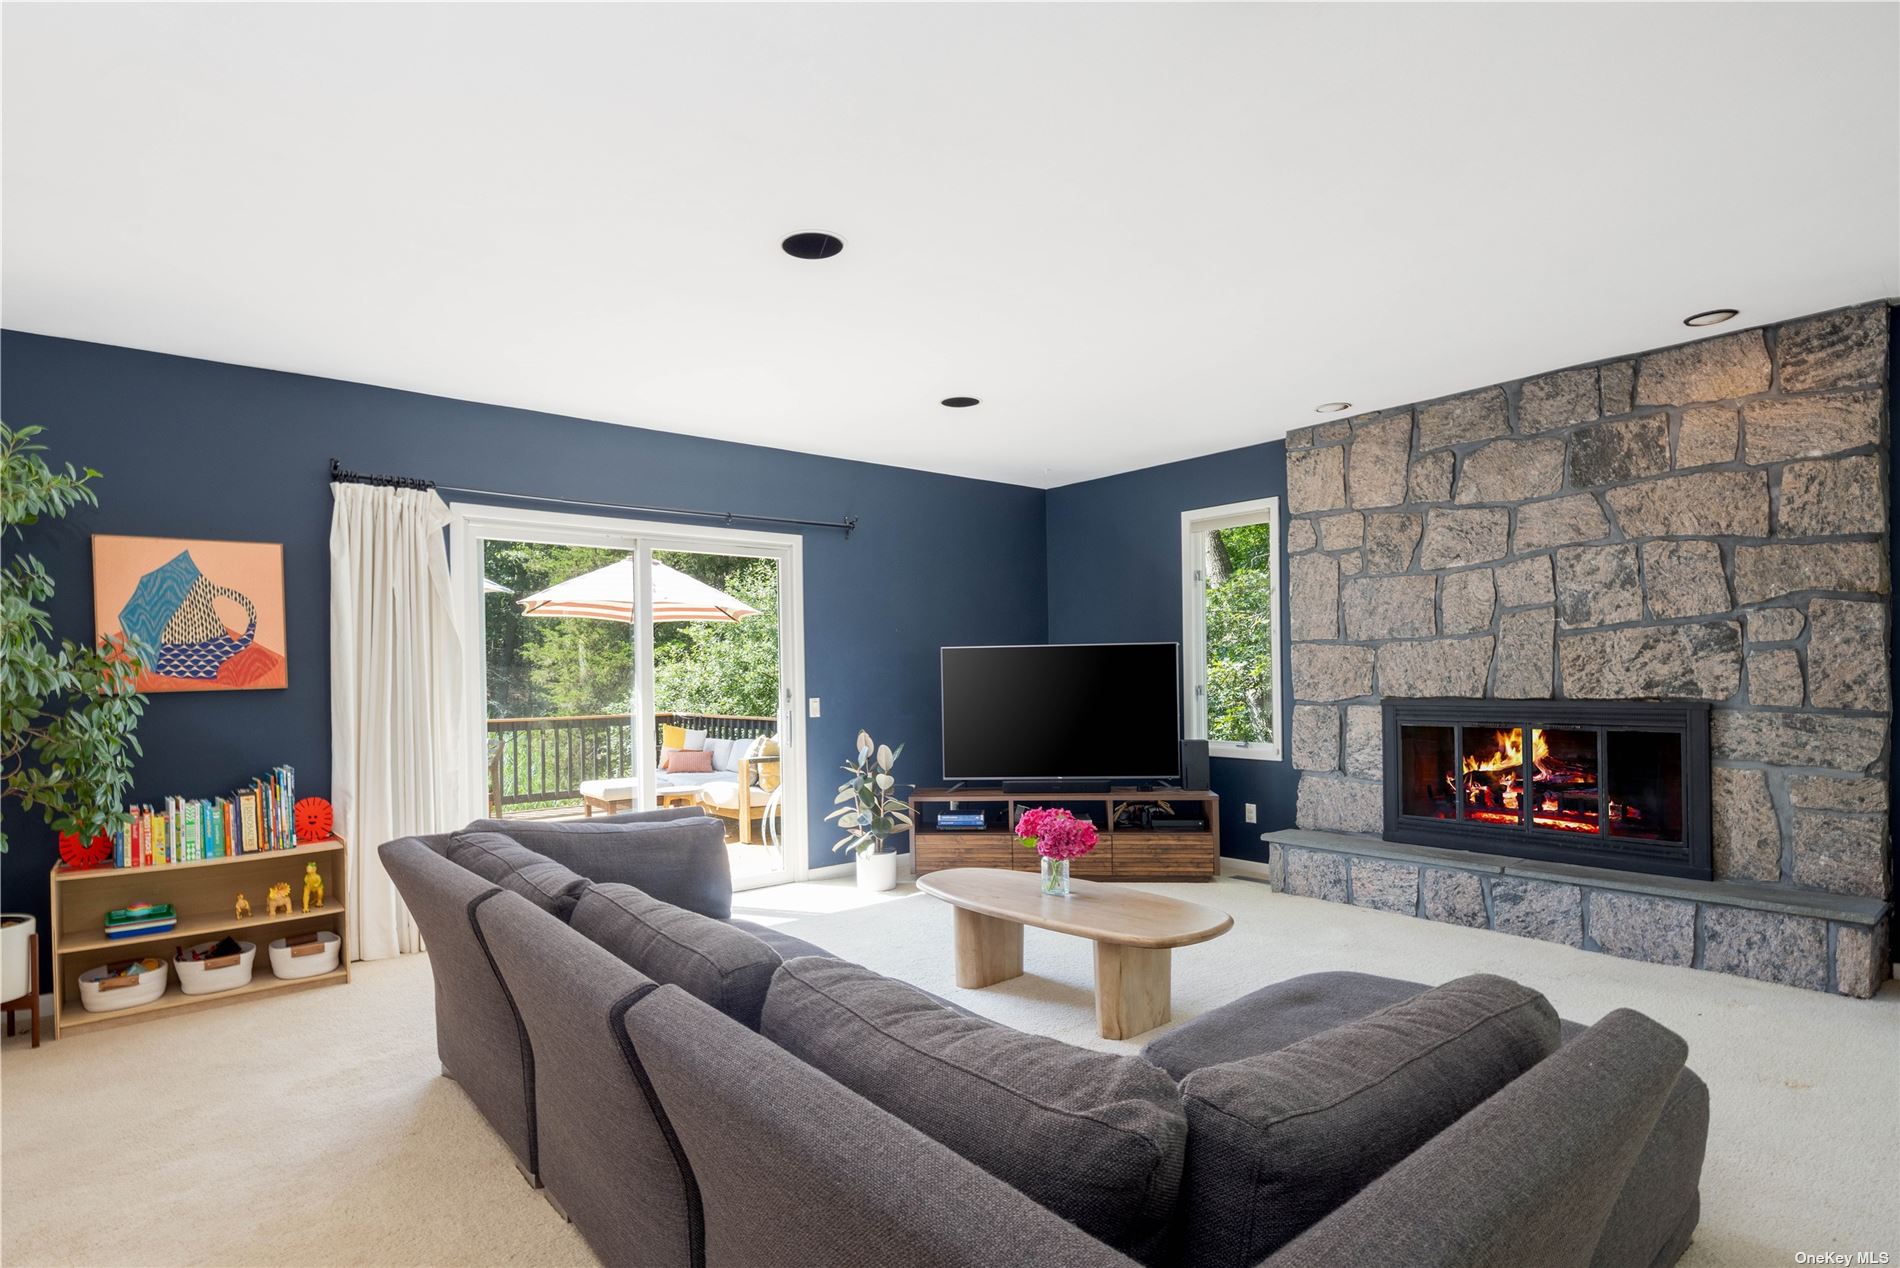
(672, 737)
(771, 774)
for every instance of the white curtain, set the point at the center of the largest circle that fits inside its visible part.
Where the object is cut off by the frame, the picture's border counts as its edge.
(396, 708)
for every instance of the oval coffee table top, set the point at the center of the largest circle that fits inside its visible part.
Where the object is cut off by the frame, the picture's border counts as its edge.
(1096, 910)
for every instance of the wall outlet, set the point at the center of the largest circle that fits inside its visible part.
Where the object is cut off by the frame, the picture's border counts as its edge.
(1253, 813)
(811, 707)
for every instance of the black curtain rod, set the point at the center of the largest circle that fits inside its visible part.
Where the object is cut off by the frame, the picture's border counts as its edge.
(338, 475)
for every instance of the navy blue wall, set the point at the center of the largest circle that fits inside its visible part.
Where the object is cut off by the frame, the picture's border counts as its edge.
(1115, 576)
(202, 449)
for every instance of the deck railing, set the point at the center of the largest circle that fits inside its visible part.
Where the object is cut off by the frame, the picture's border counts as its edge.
(537, 760)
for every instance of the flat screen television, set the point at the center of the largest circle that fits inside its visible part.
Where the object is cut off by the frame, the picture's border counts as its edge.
(1062, 711)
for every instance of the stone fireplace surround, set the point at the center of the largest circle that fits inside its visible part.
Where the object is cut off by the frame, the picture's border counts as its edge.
(1701, 522)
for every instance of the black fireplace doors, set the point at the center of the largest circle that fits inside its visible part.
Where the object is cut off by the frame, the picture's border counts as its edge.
(1603, 783)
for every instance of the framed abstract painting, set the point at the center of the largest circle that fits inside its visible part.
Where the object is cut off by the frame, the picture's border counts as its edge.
(210, 613)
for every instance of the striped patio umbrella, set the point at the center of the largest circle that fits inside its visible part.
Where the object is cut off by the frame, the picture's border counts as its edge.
(606, 594)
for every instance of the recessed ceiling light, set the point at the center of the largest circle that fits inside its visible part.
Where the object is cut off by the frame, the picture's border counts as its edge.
(813, 246)
(1332, 407)
(959, 402)
(1714, 317)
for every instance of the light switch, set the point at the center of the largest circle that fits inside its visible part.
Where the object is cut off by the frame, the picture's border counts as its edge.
(811, 706)
(1253, 815)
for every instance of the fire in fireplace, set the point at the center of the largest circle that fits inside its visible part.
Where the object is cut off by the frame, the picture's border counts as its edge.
(1618, 784)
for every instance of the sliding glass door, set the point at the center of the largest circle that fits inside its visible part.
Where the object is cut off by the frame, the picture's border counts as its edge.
(720, 698)
(629, 666)
(559, 682)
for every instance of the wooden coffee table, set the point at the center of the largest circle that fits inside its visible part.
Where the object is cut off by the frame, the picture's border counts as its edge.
(1134, 933)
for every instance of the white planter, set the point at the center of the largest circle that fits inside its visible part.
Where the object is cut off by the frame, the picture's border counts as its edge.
(16, 971)
(877, 871)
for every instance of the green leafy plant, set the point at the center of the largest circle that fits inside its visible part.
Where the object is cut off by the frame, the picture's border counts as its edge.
(1238, 568)
(869, 809)
(69, 711)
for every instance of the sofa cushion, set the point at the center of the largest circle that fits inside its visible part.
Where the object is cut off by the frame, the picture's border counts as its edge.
(681, 761)
(725, 793)
(1096, 1137)
(509, 864)
(1273, 1017)
(715, 961)
(1277, 1141)
(679, 861)
(726, 753)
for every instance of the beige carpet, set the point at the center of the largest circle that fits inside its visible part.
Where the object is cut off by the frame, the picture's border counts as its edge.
(315, 1129)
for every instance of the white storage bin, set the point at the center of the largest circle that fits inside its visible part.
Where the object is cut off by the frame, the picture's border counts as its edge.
(194, 978)
(310, 963)
(146, 987)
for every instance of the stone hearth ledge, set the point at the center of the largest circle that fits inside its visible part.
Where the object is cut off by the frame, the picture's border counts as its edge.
(1805, 938)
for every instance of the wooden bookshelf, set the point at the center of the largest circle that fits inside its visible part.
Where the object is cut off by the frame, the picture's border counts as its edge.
(204, 895)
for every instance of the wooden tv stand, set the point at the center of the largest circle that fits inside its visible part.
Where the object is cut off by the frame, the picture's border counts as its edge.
(1129, 853)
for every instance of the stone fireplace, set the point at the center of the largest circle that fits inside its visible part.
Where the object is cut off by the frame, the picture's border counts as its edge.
(1602, 784)
(1635, 615)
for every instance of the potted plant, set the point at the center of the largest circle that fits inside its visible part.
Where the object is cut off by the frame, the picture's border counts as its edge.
(870, 812)
(1058, 837)
(67, 747)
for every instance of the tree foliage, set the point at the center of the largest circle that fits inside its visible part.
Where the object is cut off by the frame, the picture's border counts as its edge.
(1239, 599)
(720, 666)
(564, 666)
(69, 711)
(551, 666)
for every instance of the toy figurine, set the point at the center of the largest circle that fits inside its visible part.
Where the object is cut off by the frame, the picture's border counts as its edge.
(312, 884)
(279, 899)
(243, 907)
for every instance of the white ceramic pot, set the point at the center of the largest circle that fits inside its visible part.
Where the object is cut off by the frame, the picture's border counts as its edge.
(16, 971)
(877, 871)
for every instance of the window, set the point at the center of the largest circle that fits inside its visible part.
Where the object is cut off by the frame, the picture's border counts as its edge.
(1230, 626)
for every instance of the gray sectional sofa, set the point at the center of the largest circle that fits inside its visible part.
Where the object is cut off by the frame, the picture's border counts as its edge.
(693, 1090)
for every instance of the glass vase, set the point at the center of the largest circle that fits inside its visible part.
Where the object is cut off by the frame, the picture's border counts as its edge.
(1055, 877)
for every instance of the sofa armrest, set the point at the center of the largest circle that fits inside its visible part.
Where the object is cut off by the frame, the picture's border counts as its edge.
(1528, 1177)
(746, 765)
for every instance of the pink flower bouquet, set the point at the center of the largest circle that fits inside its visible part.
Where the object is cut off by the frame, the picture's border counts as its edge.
(1055, 834)
(1058, 837)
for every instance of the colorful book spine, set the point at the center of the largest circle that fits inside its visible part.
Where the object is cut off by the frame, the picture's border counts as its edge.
(247, 810)
(260, 816)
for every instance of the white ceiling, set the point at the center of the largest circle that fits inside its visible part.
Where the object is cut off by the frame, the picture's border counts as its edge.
(1137, 232)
